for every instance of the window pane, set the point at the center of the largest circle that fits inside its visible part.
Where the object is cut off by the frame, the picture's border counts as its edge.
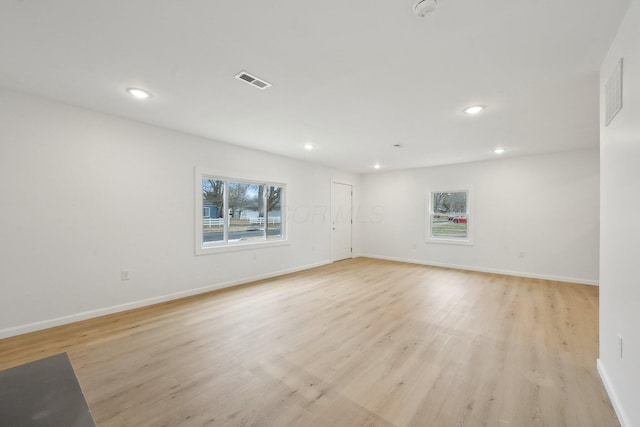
(449, 216)
(245, 207)
(273, 219)
(212, 210)
(237, 212)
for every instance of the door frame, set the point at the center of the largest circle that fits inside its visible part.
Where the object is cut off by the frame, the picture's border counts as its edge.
(331, 203)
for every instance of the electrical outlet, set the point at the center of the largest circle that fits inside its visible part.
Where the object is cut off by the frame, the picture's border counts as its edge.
(124, 275)
(620, 347)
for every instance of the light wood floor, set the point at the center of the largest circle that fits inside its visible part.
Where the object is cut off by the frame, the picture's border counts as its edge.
(356, 343)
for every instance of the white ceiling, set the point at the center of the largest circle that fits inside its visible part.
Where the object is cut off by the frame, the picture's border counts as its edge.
(352, 76)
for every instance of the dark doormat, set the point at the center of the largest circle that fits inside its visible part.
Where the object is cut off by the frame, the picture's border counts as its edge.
(44, 393)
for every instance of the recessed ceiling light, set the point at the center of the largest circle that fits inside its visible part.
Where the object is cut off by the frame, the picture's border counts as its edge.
(376, 166)
(309, 146)
(499, 150)
(475, 109)
(138, 93)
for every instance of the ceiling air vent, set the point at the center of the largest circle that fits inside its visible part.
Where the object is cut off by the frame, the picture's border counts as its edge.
(252, 80)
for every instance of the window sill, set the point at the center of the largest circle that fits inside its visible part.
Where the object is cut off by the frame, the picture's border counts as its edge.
(462, 242)
(215, 249)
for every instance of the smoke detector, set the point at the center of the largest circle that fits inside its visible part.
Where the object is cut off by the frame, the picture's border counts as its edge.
(424, 8)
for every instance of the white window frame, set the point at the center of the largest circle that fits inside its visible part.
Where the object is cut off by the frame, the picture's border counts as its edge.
(202, 248)
(430, 238)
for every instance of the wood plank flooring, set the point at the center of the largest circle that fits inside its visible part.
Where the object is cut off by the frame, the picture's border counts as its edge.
(357, 343)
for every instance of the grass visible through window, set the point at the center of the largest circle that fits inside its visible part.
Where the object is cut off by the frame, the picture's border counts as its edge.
(442, 227)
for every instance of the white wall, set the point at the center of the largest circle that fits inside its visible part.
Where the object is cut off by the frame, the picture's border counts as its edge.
(85, 195)
(545, 206)
(620, 228)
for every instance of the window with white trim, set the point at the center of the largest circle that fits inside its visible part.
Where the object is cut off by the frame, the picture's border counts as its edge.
(449, 216)
(236, 213)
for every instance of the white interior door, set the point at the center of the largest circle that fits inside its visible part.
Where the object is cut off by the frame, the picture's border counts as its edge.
(341, 221)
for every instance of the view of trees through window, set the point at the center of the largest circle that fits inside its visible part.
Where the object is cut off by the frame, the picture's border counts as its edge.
(449, 215)
(235, 211)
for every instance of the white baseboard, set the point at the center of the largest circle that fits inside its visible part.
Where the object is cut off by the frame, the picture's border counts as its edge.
(45, 324)
(622, 415)
(487, 270)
